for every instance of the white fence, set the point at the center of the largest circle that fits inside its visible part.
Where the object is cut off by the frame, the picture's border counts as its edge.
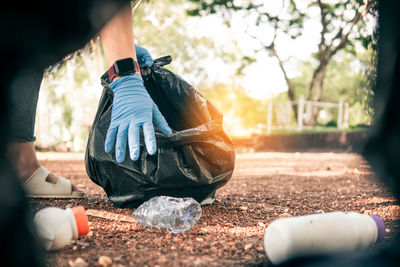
(280, 114)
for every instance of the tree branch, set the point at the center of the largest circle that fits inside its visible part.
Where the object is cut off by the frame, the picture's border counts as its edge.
(324, 23)
(344, 37)
(271, 48)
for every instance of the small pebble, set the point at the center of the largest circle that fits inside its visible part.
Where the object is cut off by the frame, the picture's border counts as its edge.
(79, 262)
(117, 258)
(204, 230)
(362, 210)
(367, 212)
(243, 208)
(199, 239)
(104, 261)
(387, 230)
(247, 247)
(261, 224)
(198, 262)
(320, 211)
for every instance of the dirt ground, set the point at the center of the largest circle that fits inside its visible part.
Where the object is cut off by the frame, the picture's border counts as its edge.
(264, 187)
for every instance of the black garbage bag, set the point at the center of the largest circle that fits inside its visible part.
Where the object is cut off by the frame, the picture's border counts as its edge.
(195, 161)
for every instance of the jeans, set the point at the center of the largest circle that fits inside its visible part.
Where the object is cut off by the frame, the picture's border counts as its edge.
(24, 98)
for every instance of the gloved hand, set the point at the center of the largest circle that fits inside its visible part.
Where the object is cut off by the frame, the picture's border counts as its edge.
(143, 56)
(133, 109)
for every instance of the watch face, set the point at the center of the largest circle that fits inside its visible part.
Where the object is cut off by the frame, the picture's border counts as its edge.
(124, 66)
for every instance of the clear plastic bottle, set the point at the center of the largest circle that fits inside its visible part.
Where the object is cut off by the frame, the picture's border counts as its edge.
(176, 215)
(321, 233)
(57, 227)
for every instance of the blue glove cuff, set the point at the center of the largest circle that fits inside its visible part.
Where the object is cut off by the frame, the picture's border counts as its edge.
(135, 78)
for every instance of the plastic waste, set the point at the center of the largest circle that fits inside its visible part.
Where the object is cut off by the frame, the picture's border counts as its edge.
(176, 215)
(57, 227)
(321, 233)
(194, 162)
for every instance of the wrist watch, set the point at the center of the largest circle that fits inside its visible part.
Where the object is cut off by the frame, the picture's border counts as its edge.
(123, 67)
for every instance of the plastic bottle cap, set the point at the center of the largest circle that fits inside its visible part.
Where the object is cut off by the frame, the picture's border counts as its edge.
(81, 219)
(381, 227)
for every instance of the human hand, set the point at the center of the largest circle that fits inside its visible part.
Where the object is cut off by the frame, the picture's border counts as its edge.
(133, 109)
(143, 56)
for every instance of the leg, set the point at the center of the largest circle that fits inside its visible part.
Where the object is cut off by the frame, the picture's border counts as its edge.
(21, 149)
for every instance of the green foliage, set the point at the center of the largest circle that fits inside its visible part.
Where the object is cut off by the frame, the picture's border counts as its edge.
(67, 112)
(291, 25)
(246, 61)
(162, 27)
(345, 81)
(342, 24)
(331, 123)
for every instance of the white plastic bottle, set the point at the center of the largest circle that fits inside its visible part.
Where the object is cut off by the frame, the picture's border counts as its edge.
(57, 227)
(321, 233)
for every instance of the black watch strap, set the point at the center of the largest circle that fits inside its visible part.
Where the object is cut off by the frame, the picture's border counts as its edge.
(123, 67)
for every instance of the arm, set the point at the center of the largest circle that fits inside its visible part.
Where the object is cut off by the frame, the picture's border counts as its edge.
(132, 109)
(117, 37)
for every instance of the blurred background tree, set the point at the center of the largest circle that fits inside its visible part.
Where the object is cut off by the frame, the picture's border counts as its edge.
(208, 50)
(342, 24)
(71, 89)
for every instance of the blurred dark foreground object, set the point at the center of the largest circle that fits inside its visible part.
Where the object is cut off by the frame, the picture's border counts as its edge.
(195, 161)
(383, 145)
(35, 34)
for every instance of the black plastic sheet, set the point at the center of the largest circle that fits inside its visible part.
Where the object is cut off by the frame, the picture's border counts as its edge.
(195, 161)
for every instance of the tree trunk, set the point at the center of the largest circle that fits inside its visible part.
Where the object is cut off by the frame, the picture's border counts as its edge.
(291, 93)
(318, 83)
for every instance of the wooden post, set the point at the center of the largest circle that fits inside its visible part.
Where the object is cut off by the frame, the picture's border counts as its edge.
(340, 116)
(300, 112)
(289, 112)
(269, 117)
(346, 115)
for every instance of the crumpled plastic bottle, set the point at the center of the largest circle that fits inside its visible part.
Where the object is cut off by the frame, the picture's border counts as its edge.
(176, 215)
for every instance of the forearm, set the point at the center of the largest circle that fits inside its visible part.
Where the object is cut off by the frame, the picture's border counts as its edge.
(117, 37)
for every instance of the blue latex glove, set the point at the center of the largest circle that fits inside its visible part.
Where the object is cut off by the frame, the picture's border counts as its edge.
(143, 56)
(133, 109)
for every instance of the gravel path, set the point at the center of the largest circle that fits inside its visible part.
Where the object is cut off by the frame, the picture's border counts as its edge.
(265, 186)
